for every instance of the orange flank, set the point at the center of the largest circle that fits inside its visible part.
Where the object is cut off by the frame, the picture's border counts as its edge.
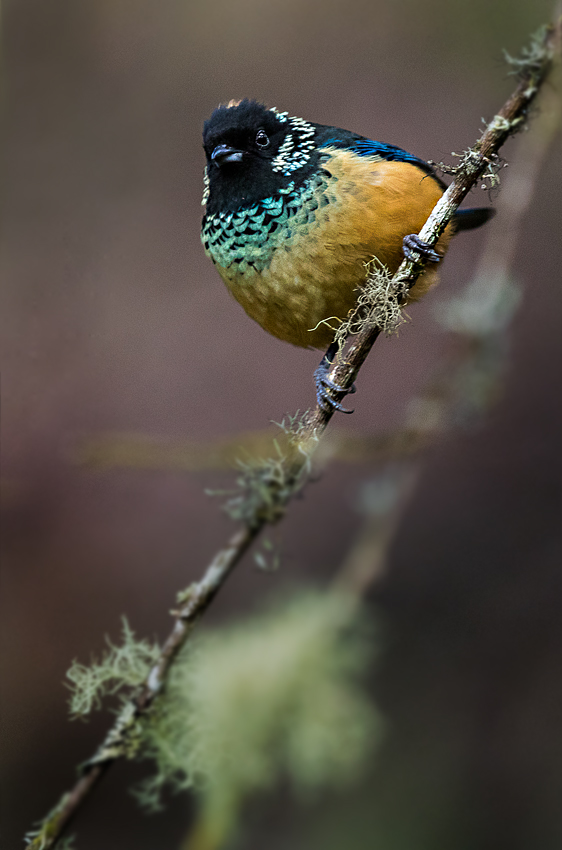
(363, 211)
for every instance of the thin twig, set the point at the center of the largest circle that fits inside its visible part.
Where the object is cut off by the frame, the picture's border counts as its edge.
(195, 601)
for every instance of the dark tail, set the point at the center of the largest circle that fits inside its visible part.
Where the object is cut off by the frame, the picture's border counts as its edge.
(474, 217)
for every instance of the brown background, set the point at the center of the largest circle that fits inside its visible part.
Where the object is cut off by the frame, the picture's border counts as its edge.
(115, 321)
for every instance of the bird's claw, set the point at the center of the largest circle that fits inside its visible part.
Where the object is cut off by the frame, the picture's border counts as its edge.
(414, 247)
(325, 387)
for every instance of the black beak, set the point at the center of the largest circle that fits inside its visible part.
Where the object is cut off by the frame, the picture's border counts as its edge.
(224, 153)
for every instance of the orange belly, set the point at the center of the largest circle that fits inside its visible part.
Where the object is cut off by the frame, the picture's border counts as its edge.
(320, 259)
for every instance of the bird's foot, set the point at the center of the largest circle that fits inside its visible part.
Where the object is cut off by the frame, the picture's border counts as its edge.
(414, 247)
(325, 387)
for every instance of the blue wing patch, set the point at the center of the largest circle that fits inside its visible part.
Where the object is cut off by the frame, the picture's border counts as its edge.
(367, 147)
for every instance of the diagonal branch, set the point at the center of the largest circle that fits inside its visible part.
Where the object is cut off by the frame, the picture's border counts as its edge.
(532, 70)
(476, 162)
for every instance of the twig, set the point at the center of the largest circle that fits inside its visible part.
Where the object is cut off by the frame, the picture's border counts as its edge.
(196, 599)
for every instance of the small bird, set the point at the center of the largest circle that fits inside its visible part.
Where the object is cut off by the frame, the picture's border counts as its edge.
(295, 211)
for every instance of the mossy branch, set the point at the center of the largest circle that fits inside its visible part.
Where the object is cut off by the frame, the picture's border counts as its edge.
(269, 503)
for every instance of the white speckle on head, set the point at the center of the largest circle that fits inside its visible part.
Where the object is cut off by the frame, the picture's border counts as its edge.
(281, 116)
(205, 186)
(297, 146)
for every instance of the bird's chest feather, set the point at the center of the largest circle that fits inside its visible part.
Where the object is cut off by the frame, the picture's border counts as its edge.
(294, 261)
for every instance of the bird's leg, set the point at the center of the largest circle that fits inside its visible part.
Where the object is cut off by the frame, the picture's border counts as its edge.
(325, 386)
(414, 247)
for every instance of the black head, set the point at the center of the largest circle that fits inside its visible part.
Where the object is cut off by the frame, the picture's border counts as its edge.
(252, 152)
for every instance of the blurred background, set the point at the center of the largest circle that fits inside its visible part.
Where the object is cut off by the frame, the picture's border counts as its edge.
(114, 321)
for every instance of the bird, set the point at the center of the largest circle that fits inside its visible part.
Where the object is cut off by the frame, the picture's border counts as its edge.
(296, 211)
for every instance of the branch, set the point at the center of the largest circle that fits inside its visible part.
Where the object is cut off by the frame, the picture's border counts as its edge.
(533, 68)
(194, 602)
(270, 493)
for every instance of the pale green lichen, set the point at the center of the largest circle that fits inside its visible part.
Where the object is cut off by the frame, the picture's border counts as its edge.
(276, 696)
(267, 557)
(293, 425)
(378, 304)
(42, 837)
(266, 485)
(533, 57)
(41, 841)
(121, 668)
(471, 159)
(124, 739)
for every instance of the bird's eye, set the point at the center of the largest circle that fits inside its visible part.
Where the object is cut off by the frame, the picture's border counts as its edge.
(262, 140)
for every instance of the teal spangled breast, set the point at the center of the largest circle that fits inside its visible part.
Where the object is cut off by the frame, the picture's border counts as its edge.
(247, 238)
